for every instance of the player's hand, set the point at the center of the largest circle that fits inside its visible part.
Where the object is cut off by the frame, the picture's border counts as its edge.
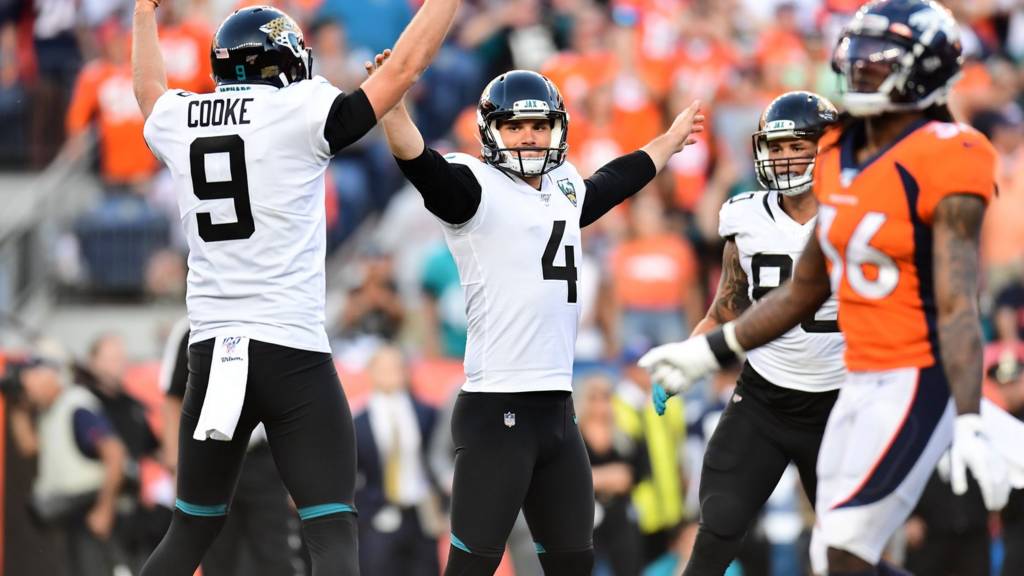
(677, 365)
(100, 521)
(378, 61)
(689, 122)
(972, 449)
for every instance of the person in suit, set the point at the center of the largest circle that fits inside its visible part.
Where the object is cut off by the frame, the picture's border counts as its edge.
(395, 492)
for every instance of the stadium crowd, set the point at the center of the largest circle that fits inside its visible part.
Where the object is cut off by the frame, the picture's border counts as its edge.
(399, 327)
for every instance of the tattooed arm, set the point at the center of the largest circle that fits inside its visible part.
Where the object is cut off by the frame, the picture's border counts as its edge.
(956, 228)
(790, 304)
(731, 299)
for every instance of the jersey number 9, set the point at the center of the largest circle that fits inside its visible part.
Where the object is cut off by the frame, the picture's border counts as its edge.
(236, 188)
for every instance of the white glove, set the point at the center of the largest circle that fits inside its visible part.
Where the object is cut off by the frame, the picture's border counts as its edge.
(676, 366)
(973, 450)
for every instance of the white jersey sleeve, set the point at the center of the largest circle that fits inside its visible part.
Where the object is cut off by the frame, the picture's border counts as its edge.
(319, 96)
(480, 171)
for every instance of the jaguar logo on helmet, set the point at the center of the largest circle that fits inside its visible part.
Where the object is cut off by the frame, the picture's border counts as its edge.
(285, 32)
(259, 44)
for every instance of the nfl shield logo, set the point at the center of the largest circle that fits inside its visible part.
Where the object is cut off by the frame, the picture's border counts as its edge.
(510, 419)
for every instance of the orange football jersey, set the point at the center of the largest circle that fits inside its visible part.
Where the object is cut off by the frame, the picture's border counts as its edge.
(875, 229)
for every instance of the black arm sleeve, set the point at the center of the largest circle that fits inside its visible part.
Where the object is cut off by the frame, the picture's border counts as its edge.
(450, 191)
(350, 118)
(614, 182)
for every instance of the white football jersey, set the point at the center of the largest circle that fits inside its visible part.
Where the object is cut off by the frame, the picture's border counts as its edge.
(248, 163)
(518, 260)
(810, 356)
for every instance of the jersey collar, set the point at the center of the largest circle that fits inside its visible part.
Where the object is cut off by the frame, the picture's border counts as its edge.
(245, 88)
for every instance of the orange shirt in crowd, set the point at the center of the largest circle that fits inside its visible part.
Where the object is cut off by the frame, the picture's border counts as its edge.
(186, 50)
(703, 68)
(690, 171)
(654, 273)
(576, 74)
(1002, 236)
(103, 93)
(657, 26)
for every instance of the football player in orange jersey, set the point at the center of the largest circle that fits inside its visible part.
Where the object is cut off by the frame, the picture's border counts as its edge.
(902, 192)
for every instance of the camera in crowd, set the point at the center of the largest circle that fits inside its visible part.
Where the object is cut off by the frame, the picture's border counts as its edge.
(11, 385)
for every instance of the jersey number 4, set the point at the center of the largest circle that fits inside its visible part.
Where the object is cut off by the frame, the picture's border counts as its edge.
(236, 188)
(782, 267)
(568, 273)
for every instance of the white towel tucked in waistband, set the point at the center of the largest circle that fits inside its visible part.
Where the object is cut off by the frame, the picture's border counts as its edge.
(225, 393)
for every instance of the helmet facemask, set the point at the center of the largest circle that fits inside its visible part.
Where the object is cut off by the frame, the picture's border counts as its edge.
(775, 173)
(913, 76)
(513, 160)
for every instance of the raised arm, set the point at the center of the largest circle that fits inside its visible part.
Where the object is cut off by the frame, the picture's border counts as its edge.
(627, 175)
(148, 76)
(450, 192)
(732, 297)
(413, 52)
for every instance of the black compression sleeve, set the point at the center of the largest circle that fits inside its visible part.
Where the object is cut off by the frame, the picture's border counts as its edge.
(450, 191)
(614, 182)
(350, 118)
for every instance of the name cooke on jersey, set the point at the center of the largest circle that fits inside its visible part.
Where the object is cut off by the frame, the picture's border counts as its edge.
(218, 112)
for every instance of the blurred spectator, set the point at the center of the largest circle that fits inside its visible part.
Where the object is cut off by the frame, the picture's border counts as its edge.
(139, 528)
(587, 62)
(58, 59)
(13, 107)
(648, 34)
(373, 308)
(616, 462)
(658, 494)
(655, 274)
(103, 96)
(1009, 313)
(81, 463)
(399, 513)
(370, 27)
(444, 308)
(509, 35)
(947, 534)
(781, 53)
(185, 43)
(1007, 372)
(1002, 234)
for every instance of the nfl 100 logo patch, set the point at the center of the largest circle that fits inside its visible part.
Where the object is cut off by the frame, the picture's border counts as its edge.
(231, 343)
(510, 419)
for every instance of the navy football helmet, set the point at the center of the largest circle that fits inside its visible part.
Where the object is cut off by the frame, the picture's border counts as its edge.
(260, 45)
(792, 116)
(522, 95)
(898, 55)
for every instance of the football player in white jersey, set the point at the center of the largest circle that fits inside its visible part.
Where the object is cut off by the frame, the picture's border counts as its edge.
(512, 221)
(248, 162)
(778, 411)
